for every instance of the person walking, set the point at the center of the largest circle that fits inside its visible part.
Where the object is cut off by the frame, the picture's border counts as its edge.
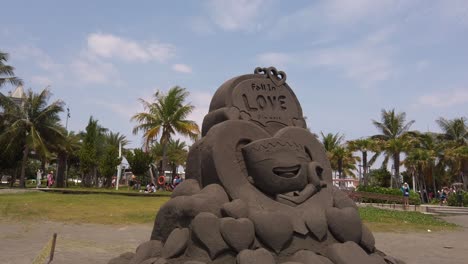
(406, 192)
(38, 178)
(50, 179)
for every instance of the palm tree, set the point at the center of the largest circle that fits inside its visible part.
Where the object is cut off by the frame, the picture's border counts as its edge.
(330, 142)
(177, 154)
(34, 124)
(364, 145)
(341, 157)
(455, 135)
(393, 137)
(421, 159)
(165, 117)
(7, 74)
(115, 139)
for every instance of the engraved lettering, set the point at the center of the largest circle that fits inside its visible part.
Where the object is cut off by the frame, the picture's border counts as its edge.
(247, 104)
(261, 102)
(282, 100)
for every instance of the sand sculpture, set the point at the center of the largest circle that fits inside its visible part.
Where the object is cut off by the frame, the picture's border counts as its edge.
(258, 189)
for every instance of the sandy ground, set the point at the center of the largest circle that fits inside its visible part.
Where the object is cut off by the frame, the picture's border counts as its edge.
(89, 243)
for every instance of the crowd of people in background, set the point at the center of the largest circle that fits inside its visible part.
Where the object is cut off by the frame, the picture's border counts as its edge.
(441, 196)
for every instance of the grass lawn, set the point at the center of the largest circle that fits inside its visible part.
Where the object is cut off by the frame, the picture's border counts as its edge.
(87, 208)
(120, 209)
(381, 220)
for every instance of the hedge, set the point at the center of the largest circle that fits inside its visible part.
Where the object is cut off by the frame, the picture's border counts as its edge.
(453, 201)
(414, 197)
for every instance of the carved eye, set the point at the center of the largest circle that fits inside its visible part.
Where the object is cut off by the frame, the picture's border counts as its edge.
(319, 171)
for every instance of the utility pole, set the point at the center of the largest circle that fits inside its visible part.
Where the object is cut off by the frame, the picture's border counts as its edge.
(68, 116)
(119, 167)
(66, 157)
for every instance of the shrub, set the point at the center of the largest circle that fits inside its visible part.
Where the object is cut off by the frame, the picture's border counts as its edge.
(414, 197)
(452, 199)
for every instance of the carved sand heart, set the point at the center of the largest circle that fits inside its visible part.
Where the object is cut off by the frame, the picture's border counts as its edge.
(238, 233)
(345, 224)
(176, 243)
(259, 256)
(316, 222)
(206, 227)
(236, 209)
(273, 228)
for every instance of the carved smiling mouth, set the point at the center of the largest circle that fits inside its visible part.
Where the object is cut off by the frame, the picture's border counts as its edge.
(287, 172)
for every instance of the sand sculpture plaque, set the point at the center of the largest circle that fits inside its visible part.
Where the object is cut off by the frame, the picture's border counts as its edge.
(258, 189)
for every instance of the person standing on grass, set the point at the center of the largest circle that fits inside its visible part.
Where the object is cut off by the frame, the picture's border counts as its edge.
(406, 191)
(50, 179)
(38, 178)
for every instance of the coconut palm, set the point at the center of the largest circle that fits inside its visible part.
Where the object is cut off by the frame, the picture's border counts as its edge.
(330, 142)
(33, 124)
(363, 145)
(177, 154)
(455, 135)
(7, 74)
(393, 137)
(164, 117)
(341, 157)
(115, 138)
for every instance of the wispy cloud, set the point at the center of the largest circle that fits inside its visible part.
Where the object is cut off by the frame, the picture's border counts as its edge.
(111, 46)
(277, 59)
(444, 99)
(42, 81)
(94, 71)
(183, 68)
(237, 15)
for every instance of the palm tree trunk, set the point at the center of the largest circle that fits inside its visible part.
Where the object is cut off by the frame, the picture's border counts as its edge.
(23, 166)
(61, 169)
(340, 172)
(364, 163)
(164, 158)
(396, 163)
(95, 176)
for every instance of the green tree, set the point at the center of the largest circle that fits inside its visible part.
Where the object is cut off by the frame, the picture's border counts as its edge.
(393, 137)
(108, 163)
(7, 74)
(93, 140)
(164, 117)
(32, 125)
(139, 162)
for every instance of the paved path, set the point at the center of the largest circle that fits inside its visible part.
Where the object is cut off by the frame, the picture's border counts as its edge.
(428, 248)
(89, 243)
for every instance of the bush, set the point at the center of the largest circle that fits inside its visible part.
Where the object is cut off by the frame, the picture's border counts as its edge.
(414, 197)
(452, 199)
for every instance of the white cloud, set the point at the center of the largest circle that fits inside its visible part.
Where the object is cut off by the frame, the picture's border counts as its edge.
(111, 46)
(124, 110)
(236, 15)
(42, 81)
(183, 68)
(276, 59)
(444, 99)
(201, 25)
(39, 56)
(94, 71)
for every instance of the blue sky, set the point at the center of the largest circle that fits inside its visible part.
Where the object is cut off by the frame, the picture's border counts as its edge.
(345, 59)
